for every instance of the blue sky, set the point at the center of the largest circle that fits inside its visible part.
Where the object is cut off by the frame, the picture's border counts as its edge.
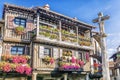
(84, 10)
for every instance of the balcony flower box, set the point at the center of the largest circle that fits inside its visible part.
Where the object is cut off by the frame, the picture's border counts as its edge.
(15, 63)
(70, 67)
(19, 30)
(48, 60)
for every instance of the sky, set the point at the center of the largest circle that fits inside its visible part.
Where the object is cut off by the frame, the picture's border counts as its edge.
(85, 11)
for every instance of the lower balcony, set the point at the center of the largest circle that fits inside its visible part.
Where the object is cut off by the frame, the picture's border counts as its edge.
(46, 64)
(68, 63)
(70, 67)
(18, 64)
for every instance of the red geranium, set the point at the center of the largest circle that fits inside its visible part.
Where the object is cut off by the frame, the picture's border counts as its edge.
(7, 68)
(20, 69)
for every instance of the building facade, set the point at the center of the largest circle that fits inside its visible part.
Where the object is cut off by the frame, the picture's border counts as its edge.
(115, 71)
(41, 44)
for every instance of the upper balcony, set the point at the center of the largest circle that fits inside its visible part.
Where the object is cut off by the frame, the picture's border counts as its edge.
(63, 35)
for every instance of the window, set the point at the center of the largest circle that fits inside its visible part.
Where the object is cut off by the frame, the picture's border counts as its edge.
(20, 22)
(17, 50)
(80, 56)
(47, 51)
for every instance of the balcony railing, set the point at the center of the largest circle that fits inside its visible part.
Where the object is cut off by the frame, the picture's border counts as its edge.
(10, 34)
(46, 63)
(54, 34)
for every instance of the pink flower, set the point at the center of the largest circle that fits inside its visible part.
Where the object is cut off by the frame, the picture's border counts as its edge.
(77, 67)
(87, 56)
(73, 59)
(15, 59)
(20, 69)
(51, 60)
(81, 63)
(28, 70)
(7, 68)
(22, 60)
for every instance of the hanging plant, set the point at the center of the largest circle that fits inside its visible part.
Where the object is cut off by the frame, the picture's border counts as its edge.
(19, 30)
(48, 60)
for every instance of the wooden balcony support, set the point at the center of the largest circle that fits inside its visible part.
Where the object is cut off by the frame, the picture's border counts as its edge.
(65, 76)
(77, 35)
(34, 76)
(38, 17)
(60, 35)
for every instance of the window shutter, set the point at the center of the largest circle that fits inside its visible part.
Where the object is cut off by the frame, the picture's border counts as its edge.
(73, 53)
(10, 22)
(76, 54)
(7, 49)
(55, 53)
(41, 51)
(29, 25)
(87, 56)
(27, 50)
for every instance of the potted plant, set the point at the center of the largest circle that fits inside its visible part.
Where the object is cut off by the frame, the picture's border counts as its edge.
(19, 30)
(48, 60)
(53, 36)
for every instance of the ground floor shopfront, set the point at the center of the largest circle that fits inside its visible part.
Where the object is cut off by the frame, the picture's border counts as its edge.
(60, 76)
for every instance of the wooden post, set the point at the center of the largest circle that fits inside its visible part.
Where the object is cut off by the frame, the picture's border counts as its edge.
(118, 73)
(87, 76)
(38, 16)
(65, 76)
(60, 35)
(34, 76)
(77, 35)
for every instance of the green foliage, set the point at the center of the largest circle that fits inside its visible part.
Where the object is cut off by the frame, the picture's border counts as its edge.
(19, 30)
(53, 36)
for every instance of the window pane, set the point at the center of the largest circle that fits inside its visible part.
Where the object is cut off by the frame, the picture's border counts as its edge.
(17, 19)
(13, 52)
(14, 48)
(19, 52)
(47, 51)
(23, 20)
(17, 23)
(22, 23)
(20, 49)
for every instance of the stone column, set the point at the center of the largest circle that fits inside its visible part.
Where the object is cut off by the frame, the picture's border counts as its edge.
(34, 76)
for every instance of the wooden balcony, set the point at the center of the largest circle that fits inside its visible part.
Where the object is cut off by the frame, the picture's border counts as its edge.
(59, 37)
(10, 35)
(45, 64)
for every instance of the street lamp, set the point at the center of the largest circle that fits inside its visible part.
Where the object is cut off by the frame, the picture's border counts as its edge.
(105, 65)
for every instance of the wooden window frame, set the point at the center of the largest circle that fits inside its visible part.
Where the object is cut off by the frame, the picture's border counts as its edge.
(17, 50)
(50, 52)
(20, 21)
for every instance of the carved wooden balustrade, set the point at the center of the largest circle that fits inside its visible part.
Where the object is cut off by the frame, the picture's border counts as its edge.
(11, 35)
